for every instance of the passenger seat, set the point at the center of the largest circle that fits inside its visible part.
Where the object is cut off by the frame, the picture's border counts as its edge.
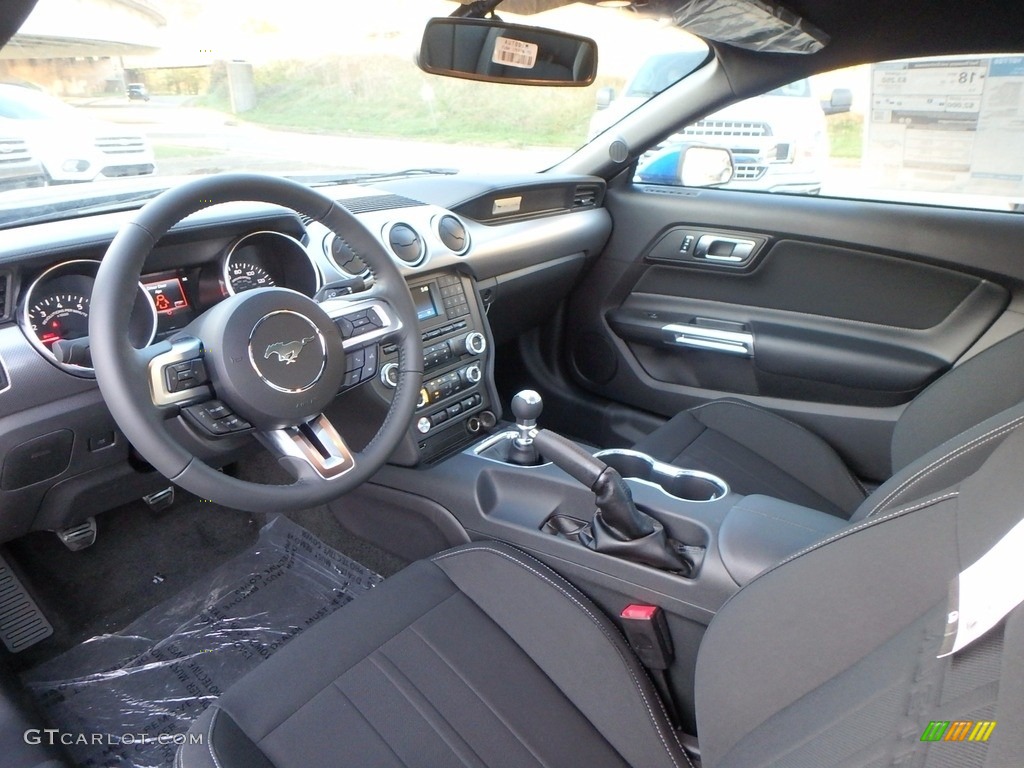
(757, 451)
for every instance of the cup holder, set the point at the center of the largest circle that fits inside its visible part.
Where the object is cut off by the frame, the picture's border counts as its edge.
(684, 484)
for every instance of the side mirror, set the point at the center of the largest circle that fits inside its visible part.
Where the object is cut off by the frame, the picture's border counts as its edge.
(839, 102)
(689, 165)
(496, 52)
(605, 96)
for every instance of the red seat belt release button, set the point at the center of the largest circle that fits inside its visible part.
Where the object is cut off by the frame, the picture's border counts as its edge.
(647, 632)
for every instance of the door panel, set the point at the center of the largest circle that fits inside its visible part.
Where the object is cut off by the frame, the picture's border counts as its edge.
(836, 334)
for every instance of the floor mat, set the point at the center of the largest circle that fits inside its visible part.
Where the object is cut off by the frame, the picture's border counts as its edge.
(126, 699)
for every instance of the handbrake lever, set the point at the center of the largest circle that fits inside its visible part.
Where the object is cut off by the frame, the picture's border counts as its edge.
(619, 528)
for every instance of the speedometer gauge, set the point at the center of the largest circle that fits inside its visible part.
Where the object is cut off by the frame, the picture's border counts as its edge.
(244, 276)
(269, 259)
(60, 316)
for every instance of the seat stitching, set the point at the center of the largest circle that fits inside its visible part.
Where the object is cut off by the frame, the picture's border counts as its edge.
(209, 739)
(498, 716)
(380, 652)
(943, 460)
(857, 484)
(604, 631)
(865, 524)
(325, 686)
(363, 717)
(765, 515)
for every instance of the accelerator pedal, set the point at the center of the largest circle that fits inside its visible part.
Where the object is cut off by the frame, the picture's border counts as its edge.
(22, 624)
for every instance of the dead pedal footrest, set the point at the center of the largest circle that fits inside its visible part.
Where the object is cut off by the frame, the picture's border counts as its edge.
(22, 624)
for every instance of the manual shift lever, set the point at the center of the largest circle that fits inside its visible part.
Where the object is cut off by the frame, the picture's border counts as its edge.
(526, 407)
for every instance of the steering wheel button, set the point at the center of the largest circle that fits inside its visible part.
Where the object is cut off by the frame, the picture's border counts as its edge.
(354, 360)
(235, 424)
(345, 326)
(216, 410)
(370, 358)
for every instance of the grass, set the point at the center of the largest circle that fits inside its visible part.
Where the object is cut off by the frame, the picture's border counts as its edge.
(347, 95)
(178, 151)
(846, 135)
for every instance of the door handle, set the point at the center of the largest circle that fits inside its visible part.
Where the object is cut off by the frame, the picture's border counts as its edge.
(712, 339)
(728, 250)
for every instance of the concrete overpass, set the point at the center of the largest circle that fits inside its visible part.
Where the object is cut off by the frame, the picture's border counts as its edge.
(94, 28)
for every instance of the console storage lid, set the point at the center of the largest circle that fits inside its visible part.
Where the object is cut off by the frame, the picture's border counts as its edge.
(761, 531)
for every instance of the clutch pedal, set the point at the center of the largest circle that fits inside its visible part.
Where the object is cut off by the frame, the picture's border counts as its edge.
(78, 537)
(22, 624)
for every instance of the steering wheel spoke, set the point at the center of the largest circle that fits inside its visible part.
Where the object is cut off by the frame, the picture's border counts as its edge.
(176, 372)
(315, 444)
(363, 319)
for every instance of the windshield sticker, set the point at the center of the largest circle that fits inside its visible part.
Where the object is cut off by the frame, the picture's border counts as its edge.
(514, 53)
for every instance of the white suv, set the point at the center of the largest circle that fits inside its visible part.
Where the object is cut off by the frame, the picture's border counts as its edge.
(778, 140)
(72, 147)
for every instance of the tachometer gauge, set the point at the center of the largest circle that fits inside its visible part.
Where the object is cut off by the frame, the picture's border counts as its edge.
(244, 276)
(55, 308)
(60, 316)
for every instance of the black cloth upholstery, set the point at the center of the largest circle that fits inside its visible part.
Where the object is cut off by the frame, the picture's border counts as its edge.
(481, 656)
(757, 451)
(835, 649)
(988, 383)
(484, 657)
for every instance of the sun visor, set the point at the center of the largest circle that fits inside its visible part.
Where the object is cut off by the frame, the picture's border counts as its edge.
(750, 24)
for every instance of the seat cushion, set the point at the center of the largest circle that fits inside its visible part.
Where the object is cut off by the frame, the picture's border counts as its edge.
(479, 656)
(757, 451)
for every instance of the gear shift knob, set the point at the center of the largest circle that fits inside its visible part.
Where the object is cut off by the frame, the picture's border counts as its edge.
(526, 407)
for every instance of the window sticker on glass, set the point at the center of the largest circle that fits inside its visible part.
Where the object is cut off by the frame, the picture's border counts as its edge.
(514, 53)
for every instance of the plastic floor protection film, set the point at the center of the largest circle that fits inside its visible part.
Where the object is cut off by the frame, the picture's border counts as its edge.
(127, 699)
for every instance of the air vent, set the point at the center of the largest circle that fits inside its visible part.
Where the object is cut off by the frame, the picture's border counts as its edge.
(379, 203)
(452, 232)
(406, 244)
(585, 196)
(345, 258)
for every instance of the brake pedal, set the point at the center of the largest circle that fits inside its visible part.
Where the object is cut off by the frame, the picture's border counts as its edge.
(22, 624)
(160, 500)
(78, 537)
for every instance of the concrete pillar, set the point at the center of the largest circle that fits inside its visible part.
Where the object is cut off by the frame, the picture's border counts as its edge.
(241, 86)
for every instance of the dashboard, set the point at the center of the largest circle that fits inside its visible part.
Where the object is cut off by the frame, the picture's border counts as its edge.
(479, 269)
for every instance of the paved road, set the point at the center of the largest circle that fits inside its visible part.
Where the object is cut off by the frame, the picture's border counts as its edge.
(223, 143)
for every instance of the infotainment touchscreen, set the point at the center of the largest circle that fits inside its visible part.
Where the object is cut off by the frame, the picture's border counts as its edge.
(424, 301)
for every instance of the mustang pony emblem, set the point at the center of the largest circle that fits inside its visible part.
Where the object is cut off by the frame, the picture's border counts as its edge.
(287, 351)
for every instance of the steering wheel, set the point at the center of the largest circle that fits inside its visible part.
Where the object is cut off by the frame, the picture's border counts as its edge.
(273, 357)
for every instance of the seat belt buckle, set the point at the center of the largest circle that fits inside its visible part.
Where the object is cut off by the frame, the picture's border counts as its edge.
(646, 631)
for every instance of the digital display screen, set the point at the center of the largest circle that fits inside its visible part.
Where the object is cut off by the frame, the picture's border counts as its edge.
(167, 295)
(425, 307)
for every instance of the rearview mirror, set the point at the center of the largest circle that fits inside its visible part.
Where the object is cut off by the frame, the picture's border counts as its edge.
(492, 51)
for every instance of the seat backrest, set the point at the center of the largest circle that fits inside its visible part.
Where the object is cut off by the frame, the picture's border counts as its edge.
(970, 393)
(830, 658)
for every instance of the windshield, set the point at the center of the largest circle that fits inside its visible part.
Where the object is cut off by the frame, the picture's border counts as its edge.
(161, 89)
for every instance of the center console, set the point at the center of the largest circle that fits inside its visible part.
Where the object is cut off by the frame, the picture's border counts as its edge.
(555, 505)
(458, 399)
